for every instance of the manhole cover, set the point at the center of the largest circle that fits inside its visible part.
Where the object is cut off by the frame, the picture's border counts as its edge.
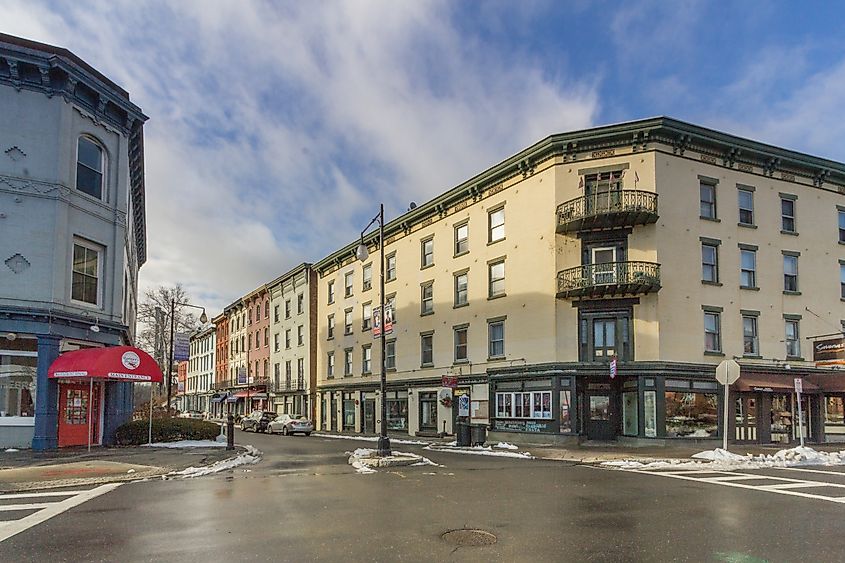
(468, 537)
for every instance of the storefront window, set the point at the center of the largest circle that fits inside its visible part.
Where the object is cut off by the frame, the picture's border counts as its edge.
(834, 410)
(397, 414)
(531, 404)
(565, 412)
(630, 417)
(428, 411)
(781, 418)
(18, 361)
(691, 415)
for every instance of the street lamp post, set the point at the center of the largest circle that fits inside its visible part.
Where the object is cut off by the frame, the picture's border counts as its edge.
(362, 253)
(203, 319)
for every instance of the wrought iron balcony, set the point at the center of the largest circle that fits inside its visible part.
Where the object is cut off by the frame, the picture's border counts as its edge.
(289, 384)
(607, 210)
(608, 279)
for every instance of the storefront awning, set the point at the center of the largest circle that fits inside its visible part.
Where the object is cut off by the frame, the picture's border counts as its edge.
(118, 363)
(830, 383)
(772, 383)
(219, 397)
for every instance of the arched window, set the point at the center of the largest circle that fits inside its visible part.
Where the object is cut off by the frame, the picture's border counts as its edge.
(90, 163)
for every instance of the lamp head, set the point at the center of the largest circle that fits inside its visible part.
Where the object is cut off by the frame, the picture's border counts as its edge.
(361, 253)
(203, 317)
(94, 328)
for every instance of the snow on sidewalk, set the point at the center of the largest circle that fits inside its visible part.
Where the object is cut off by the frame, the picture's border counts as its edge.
(187, 444)
(370, 439)
(722, 460)
(481, 450)
(250, 457)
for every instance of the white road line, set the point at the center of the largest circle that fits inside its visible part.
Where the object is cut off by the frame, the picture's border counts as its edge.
(806, 485)
(743, 477)
(768, 489)
(9, 529)
(44, 494)
(30, 506)
(837, 473)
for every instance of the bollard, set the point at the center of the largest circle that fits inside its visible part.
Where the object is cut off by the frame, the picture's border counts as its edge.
(230, 432)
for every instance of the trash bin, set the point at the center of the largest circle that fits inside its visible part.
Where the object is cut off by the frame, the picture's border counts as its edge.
(464, 434)
(479, 434)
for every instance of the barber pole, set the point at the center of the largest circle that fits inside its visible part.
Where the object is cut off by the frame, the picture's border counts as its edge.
(613, 367)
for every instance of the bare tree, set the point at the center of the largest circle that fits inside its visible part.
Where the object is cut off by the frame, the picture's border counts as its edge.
(154, 320)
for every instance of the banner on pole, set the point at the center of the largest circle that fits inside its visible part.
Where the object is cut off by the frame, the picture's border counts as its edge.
(181, 346)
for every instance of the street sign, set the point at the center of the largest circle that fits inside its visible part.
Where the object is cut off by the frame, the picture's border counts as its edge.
(727, 372)
(799, 385)
(450, 381)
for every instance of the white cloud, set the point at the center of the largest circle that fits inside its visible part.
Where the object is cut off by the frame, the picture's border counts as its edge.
(276, 129)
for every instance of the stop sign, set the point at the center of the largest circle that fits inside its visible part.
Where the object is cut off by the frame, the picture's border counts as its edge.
(727, 372)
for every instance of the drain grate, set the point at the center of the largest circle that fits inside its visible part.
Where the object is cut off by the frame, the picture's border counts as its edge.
(468, 537)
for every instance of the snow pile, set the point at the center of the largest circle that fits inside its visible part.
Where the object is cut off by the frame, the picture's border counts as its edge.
(188, 444)
(720, 455)
(11, 450)
(355, 460)
(482, 450)
(251, 456)
(369, 439)
(506, 446)
(721, 460)
(425, 461)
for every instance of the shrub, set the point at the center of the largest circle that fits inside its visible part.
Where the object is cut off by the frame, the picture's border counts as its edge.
(165, 430)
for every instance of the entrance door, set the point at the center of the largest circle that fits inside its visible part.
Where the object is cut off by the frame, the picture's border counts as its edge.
(369, 416)
(604, 339)
(334, 412)
(428, 411)
(74, 409)
(599, 417)
(746, 418)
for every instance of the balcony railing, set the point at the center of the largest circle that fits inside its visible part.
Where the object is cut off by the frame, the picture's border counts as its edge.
(609, 278)
(607, 210)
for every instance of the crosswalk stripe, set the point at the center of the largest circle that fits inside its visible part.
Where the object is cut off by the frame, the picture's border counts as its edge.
(42, 494)
(14, 527)
(29, 506)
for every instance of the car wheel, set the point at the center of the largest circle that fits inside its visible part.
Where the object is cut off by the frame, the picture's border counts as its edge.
(285, 431)
(308, 433)
(243, 427)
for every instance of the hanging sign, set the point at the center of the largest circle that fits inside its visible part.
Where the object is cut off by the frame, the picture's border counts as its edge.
(450, 381)
(388, 320)
(829, 351)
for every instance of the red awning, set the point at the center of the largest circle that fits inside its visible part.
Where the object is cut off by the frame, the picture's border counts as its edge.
(119, 363)
(771, 383)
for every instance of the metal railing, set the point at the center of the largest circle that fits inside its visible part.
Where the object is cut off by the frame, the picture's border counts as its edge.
(605, 203)
(626, 277)
(288, 384)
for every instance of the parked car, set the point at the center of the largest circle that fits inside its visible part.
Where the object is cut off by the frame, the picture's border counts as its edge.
(192, 414)
(257, 421)
(287, 424)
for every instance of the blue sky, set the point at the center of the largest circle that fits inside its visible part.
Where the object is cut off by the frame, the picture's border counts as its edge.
(277, 127)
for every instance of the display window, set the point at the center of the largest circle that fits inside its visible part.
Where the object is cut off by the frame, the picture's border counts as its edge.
(691, 415)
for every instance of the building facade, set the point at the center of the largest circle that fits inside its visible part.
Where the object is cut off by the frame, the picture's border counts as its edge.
(587, 288)
(72, 233)
(201, 370)
(217, 404)
(293, 343)
(257, 304)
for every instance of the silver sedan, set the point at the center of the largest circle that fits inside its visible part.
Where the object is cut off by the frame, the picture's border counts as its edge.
(287, 425)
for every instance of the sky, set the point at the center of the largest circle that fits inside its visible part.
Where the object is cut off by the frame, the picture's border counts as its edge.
(276, 128)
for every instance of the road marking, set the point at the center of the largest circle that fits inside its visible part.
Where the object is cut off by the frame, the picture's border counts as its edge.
(44, 494)
(777, 488)
(837, 473)
(49, 510)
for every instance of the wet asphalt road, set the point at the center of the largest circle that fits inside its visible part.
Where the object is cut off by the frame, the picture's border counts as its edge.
(303, 502)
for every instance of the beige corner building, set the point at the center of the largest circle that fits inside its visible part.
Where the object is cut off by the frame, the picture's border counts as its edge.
(587, 288)
(293, 346)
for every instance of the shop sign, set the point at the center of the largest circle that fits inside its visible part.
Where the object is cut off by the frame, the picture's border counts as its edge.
(450, 381)
(522, 426)
(829, 351)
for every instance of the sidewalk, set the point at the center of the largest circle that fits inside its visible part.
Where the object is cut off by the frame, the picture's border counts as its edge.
(27, 469)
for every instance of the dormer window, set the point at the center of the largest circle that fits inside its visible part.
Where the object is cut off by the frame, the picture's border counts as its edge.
(89, 168)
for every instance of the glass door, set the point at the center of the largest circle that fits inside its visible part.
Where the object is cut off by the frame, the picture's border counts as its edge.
(599, 424)
(428, 411)
(604, 339)
(630, 415)
(781, 418)
(746, 418)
